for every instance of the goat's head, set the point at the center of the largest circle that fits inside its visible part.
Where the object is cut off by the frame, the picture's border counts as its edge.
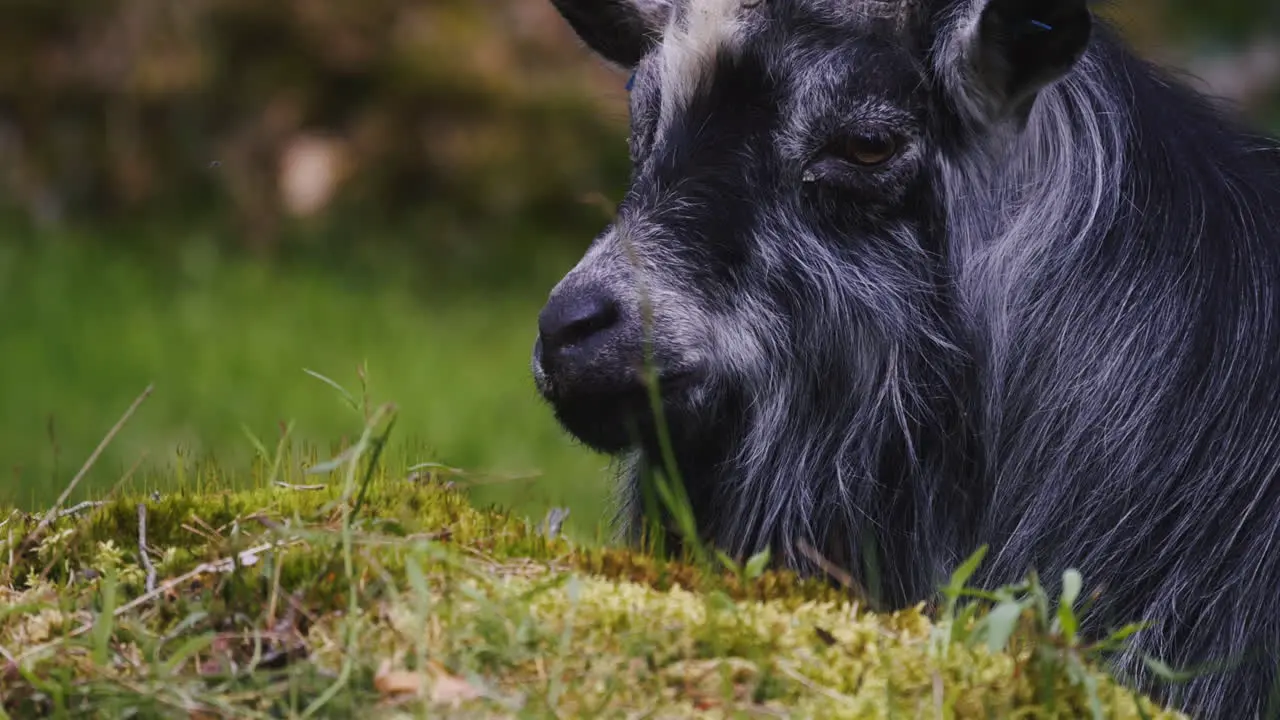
(782, 234)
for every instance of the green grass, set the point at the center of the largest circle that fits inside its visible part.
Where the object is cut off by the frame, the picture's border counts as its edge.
(379, 597)
(87, 326)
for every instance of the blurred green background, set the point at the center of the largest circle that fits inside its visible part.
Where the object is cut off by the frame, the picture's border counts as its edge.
(212, 195)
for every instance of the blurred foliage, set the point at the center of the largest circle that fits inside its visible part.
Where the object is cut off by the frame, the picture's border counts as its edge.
(109, 108)
(1224, 20)
(258, 111)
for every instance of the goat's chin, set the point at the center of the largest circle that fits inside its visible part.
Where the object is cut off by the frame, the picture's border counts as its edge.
(604, 422)
(620, 420)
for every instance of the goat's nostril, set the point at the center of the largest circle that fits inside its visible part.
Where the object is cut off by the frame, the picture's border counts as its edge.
(572, 319)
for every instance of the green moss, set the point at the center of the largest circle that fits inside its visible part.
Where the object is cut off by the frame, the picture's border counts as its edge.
(445, 609)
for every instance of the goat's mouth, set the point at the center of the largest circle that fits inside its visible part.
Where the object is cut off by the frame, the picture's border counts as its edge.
(612, 419)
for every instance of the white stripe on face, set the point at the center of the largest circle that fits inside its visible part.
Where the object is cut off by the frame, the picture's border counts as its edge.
(696, 32)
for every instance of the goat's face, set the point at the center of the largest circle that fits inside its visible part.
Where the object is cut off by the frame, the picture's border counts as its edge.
(780, 234)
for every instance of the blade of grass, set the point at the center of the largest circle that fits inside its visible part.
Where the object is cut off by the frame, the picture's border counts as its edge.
(674, 494)
(343, 391)
(105, 624)
(348, 662)
(185, 651)
(84, 470)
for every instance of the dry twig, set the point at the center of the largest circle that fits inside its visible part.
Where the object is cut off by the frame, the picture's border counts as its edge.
(80, 507)
(143, 556)
(291, 486)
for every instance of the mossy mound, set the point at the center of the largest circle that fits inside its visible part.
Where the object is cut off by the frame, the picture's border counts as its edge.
(403, 600)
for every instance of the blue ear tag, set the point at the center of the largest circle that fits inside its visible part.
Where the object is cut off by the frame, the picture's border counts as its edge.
(631, 81)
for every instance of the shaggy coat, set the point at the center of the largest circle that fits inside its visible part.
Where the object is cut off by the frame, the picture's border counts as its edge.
(921, 275)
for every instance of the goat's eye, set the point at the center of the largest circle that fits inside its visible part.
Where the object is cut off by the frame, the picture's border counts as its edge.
(864, 151)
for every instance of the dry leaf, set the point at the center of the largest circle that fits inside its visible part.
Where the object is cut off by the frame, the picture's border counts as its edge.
(451, 689)
(397, 682)
(703, 680)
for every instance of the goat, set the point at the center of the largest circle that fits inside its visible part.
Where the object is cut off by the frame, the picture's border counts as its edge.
(922, 275)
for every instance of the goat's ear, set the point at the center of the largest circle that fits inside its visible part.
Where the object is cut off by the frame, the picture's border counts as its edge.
(1015, 48)
(620, 31)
